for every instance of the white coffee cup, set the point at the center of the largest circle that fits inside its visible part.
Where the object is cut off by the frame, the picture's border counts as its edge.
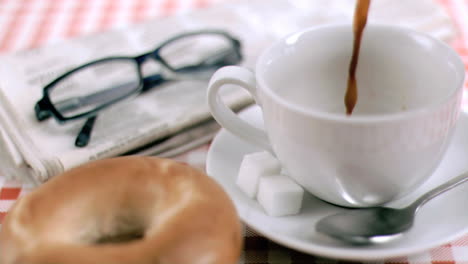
(409, 95)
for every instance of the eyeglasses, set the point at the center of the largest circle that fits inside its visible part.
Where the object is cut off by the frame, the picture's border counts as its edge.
(85, 90)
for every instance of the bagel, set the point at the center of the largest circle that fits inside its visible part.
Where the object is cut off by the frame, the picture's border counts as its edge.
(125, 210)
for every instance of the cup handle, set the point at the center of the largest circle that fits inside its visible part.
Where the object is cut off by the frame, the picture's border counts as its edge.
(243, 78)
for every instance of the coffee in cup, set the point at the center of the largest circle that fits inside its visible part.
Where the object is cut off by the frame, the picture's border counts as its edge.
(359, 23)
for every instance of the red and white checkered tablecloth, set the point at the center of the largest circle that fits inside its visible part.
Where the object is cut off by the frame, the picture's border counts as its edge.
(27, 24)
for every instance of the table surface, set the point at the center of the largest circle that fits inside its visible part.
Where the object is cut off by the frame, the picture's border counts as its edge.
(27, 24)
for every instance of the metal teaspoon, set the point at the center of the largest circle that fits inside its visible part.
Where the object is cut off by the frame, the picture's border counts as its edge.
(368, 224)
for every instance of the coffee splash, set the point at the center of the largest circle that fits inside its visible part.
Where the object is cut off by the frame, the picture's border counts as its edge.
(359, 23)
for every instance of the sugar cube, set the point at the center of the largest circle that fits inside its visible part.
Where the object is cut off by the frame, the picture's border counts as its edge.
(253, 167)
(279, 195)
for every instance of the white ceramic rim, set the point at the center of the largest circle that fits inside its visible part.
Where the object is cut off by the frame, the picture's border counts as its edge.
(339, 253)
(349, 254)
(457, 62)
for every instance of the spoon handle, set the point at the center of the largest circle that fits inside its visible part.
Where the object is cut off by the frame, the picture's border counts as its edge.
(438, 190)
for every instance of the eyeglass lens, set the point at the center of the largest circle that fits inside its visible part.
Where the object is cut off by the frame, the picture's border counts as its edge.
(97, 84)
(198, 54)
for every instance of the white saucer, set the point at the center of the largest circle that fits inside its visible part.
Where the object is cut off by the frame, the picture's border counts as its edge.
(440, 221)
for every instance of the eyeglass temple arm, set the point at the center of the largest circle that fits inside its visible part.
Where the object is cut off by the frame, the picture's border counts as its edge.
(41, 110)
(84, 136)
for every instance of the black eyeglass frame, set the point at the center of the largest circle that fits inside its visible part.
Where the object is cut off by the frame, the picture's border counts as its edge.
(44, 108)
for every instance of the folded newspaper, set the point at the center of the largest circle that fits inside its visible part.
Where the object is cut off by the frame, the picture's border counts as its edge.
(175, 116)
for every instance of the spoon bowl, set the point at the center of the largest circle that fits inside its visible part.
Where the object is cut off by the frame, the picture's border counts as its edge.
(374, 224)
(364, 225)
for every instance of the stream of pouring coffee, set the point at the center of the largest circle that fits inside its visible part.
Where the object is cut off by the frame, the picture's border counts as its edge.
(359, 22)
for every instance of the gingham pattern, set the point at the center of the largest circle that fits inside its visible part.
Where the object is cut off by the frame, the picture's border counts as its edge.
(31, 23)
